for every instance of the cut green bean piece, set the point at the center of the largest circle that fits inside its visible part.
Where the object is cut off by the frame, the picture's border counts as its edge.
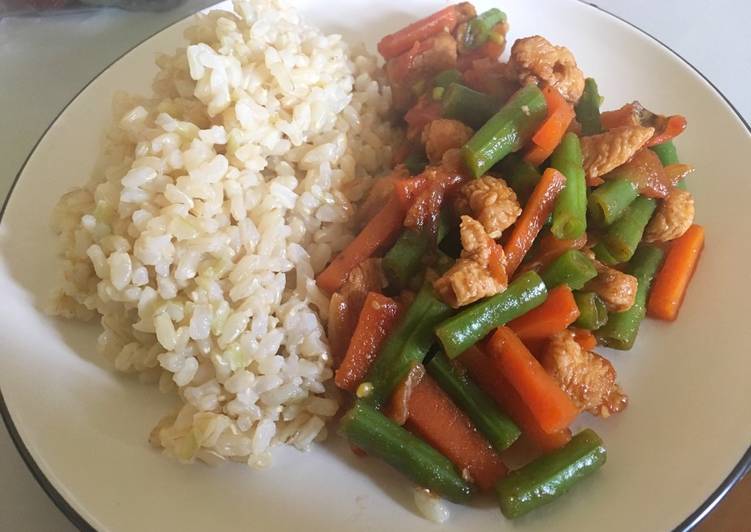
(407, 257)
(610, 200)
(551, 475)
(570, 212)
(572, 268)
(473, 323)
(592, 311)
(415, 163)
(481, 409)
(603, 255)
(622, 327)
(447, 77)
(507, 131)
(467, 105)
(668, 155)
(521, 176)
(624, 235)
(588, 109)
(407, 345)
(377, 435)
(479, 28)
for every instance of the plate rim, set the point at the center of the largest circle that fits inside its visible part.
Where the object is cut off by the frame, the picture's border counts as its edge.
(76, 519)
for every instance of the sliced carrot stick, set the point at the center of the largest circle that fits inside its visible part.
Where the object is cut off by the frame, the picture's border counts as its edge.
(437, 420)
(536, 211)
(482, 370)
(625, 116)
(670, 284)
(550, 405)
(378, 316)
(341, 324)
(399, 42)
(584, 338)
(380, 232)
(550, 133)
(557, 312)
(674, 127)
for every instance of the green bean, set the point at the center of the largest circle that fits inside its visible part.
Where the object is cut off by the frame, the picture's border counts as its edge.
(462, 331)
(572, 267)
(408, 255)
(668, 155)
(407, 344)
(481, 409)
(467, 105)
(603, 255)
(624, 234)
(622, 327)
(376, 434)
(610, 200)
(507, 131)
(570, 212)
(521, 176)
(479, 28)
(592, 311)
(588, 109)
(551, 475)
(447, 77)
(415, 163)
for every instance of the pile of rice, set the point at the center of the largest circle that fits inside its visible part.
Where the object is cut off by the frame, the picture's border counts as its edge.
(223, 195)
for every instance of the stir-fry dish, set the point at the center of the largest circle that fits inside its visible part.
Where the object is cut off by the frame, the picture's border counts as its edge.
(520, 229)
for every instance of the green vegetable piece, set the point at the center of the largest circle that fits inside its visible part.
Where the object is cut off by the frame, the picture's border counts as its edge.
(668, 155)
(609, 201)
(481, 409)
(377, 435)
(407, 257)
(472, 324)
(467, 105)
(407, 345)
(603, 255)
(624, 235)
(572, 267)
(479, 28)
(447, 77)
(507, 131)
(622, 327)
(588, 109)
(438, 93)
(570, 211)
(521, 175)
(592, 311)
(551, 475)
(415, 163)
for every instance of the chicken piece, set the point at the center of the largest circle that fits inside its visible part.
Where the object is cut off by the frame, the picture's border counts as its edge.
(616, 289)
(587, 378)
(480, 271)
(491, 201)
(606, 151)
(673, 217)
(442, 135)
(536, 60)
(345, 304)
(440, 56)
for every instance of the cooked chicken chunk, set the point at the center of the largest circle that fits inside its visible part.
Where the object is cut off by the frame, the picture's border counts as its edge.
(616, 289)
(586, 377)
(491, 201)
(440, 56)
(673, 217)
(606, 151)
(442, 135)
(480, 271)
(536, 60)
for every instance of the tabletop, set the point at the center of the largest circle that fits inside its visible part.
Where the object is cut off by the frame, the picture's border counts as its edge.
(67, 51)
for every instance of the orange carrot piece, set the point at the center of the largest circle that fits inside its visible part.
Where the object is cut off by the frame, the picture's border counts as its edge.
(378, 316)
(557, 312)
(550, 133)
(675, 126)
(342, 322)
(399, 42)
(484, 373)
(550, 405)
(584, 338)
(550, 248)
(438, 421)
(672, 280)
(536, 211)
(625, 116)
(380, 232)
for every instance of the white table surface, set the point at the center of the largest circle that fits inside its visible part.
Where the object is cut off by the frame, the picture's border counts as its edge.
(44, 62)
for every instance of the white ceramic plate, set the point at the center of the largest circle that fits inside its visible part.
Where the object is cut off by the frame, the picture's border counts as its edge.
(82, 428)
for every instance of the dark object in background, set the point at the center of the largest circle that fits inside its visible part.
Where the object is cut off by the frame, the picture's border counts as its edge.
(52, 7)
